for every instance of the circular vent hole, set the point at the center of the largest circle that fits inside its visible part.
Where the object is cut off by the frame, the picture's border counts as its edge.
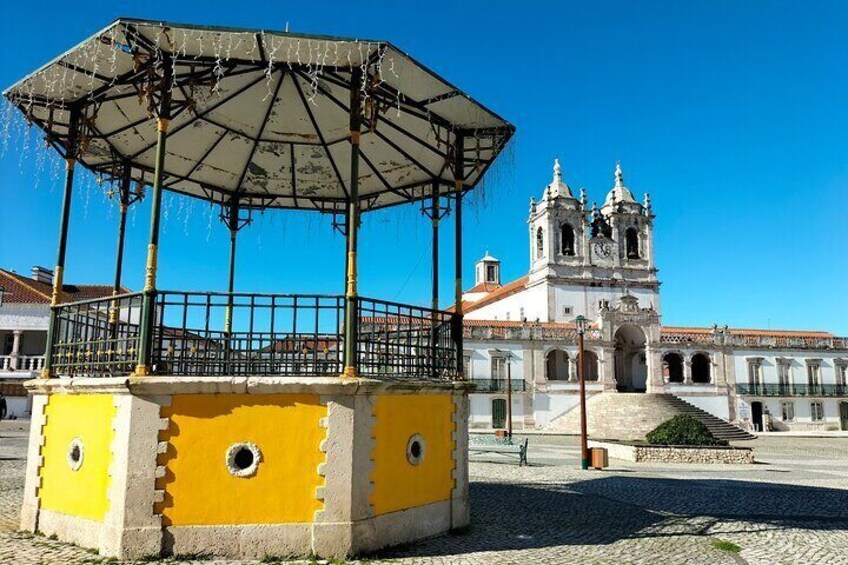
(243, 459)
(415, 449)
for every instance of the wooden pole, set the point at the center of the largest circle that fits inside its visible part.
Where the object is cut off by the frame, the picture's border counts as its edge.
(351, 315)
(145, 347)
(64, 218)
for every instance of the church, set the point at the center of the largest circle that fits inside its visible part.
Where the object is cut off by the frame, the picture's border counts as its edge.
(599, 263)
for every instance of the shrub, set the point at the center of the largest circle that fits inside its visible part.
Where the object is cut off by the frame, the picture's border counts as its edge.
(683, 429)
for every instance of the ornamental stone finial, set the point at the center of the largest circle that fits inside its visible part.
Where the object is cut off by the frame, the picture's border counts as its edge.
(619, 176)
(557, 172)
(647, 204)
(532, 205)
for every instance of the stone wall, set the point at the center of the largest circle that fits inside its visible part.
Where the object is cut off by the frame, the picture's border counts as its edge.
(677, 454)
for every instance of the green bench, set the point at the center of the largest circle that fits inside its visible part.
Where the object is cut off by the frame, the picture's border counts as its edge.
(490, 444)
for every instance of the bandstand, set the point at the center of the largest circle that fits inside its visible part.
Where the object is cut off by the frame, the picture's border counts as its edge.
(252, 425)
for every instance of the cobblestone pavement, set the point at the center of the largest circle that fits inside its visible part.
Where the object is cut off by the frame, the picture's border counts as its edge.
(791, 507)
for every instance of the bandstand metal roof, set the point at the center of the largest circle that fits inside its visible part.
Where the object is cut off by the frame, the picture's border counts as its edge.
(261, 114)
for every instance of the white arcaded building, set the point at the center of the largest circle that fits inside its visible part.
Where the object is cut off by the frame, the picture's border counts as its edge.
(599, 263)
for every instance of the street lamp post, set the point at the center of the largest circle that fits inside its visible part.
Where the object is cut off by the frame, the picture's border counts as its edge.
(580, 322)
(509, 396)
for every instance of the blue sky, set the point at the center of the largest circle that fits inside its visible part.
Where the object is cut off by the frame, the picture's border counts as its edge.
(732, 115)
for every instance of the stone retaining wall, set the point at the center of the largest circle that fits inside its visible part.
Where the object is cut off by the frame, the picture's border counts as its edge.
(677, 454)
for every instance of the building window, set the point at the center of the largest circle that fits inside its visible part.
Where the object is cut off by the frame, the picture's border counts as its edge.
(507, 315)
(498, 368)
(787, 410)
(466, 366)
(814, 373)
(540, 243)
(603, 304)
(816, 411)
(841, 374)
(755, 372)
(631, 237)
(567, 310)
(521, 315)
(491, 274)
(567, 240)
(784, 377)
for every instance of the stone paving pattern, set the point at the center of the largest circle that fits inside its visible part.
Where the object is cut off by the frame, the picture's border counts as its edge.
(791, 507)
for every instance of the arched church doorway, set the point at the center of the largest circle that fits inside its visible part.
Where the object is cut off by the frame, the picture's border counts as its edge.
(631, 369)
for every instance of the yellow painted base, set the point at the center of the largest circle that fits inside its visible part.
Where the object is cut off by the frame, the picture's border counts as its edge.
(88, 419)
(398, 483)
(199, 488)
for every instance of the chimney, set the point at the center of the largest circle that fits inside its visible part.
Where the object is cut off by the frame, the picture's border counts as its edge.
(42, 275)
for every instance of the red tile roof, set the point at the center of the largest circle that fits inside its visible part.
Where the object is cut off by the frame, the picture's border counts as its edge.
(19, 289)
(498, 294)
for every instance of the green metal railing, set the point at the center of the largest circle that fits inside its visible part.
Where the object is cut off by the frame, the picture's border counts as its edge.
(226, 334)
(498, 385)
(792, 390)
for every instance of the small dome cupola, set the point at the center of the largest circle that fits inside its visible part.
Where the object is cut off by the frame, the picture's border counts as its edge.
(557, 188)
(488, 271)
(619, 194)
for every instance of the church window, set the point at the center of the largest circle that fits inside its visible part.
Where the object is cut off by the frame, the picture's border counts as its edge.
(540, 243)
(491, 274)
(673, 367)
(603, 304)
(816, 411)
(701, 368)
(567, 310)
(787, 410)
(567, 240)
(631, 237)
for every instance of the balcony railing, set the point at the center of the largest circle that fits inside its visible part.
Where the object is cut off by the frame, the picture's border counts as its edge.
(498, 385)
(223, 334)
(792, 390)
(28, 363)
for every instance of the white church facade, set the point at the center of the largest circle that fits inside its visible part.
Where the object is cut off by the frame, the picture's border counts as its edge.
(599, 263)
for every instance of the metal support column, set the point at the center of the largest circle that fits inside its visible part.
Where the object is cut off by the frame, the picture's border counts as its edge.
(435, 215)
(233, 226)
(124, 198)
(145, 347)
(459, 184)
(351, 316)
(58, 273)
